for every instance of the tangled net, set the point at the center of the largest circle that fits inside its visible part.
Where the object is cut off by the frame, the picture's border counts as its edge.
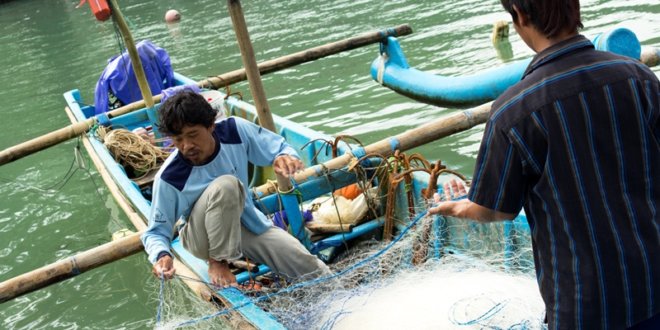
(466, 280)
(131, 150)
(436, 273)
(469, 280)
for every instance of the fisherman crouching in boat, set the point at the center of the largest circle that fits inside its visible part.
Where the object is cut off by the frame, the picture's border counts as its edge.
(577, 144)
(204, 182)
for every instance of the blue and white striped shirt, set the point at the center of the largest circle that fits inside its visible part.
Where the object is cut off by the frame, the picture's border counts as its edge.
(577, 144)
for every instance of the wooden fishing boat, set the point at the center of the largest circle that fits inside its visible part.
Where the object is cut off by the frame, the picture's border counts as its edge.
(391, 69)
(332, 164)
(133, 194)
(402, 191)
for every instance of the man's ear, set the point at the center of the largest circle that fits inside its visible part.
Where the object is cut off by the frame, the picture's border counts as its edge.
(211, 128)
(520, 19)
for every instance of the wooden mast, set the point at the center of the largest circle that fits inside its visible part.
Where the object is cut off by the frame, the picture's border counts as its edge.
(136, 63)
(250, 65)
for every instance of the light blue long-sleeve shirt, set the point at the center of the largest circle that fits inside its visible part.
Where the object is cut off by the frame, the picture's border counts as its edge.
(178, 184)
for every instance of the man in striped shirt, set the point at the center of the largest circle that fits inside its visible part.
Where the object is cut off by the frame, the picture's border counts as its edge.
(577, 144)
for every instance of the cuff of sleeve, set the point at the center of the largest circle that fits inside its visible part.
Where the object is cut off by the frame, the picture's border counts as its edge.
(294, 155)
(162, 254)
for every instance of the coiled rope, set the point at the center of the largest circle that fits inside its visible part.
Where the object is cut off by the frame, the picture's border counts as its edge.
(132, 150)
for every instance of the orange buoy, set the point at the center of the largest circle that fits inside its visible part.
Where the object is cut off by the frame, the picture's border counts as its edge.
(349, 192)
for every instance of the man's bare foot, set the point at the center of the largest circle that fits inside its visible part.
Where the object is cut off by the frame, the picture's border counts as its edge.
(220, 274)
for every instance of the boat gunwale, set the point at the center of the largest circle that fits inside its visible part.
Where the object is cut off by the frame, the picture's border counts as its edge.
(256, 317)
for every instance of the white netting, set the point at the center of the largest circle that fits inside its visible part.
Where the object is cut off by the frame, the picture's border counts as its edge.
(435, 274)
(477, 283)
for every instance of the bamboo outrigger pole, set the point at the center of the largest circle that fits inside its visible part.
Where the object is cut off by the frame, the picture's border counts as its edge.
(70, 267)
(64, 134)
(407, 140)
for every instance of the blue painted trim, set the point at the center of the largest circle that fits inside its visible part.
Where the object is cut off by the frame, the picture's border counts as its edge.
(131, 120)
(339, 239)
(394, 144)
(438, 229)
(359, 152)
(246, 275)
(103, 119)
(310, 189)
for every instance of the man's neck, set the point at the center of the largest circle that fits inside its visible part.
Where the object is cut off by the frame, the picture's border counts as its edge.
(540, 42)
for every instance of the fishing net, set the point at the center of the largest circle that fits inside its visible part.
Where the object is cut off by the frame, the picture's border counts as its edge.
(439, 273)
(177, 302)
(459, 275)
(431, 272)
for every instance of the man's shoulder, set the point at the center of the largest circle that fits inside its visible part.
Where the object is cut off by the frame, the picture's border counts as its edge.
(227, 132)
(570, 76)
(510, 105)
(175, 171)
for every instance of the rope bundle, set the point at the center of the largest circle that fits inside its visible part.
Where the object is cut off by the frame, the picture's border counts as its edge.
(132, 150)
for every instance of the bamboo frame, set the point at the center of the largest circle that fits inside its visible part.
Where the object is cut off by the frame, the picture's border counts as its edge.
(412, 138)
(66, 133)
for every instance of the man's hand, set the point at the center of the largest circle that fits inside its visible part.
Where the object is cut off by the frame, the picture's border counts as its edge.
(464, 208)
(286, 165)
(446, 204)
(164, 266)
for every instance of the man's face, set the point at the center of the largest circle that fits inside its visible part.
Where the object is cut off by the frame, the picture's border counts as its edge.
(195, 143)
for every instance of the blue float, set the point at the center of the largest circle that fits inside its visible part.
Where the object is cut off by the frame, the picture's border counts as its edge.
(391, 69)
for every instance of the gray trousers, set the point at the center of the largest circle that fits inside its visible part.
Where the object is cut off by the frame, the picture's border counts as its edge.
(214, 231)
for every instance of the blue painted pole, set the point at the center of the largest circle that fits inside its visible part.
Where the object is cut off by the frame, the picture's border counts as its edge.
(246, 275)
(293, 214)
(437, 243)
(339, 239)
(314, 187)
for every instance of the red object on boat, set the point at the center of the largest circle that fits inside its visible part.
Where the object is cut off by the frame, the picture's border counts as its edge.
(100, 8)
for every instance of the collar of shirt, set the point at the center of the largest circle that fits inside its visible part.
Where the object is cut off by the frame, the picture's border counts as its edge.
(557, 50)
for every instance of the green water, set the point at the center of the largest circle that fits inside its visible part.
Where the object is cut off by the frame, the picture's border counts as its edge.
(49, 47)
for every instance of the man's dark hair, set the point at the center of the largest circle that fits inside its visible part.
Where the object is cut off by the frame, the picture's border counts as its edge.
(185, 108)
(551, 17)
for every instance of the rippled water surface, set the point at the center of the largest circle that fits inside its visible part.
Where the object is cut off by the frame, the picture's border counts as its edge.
(49, 47)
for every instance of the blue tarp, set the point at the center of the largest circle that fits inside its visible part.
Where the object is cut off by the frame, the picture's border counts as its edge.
(119, 77)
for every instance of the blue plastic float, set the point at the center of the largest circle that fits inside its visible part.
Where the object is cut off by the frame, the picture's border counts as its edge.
(391, 70)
